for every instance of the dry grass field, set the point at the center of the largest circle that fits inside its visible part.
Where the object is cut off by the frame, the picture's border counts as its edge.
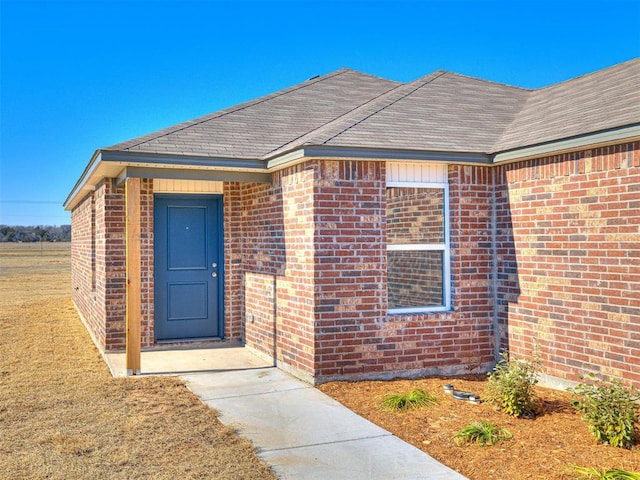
(62, 415)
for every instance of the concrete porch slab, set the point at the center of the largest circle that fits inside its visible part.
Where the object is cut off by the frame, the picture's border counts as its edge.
(183, 360)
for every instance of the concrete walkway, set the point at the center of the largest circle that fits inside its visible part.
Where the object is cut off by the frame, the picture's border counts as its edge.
(304, 434)
(299, 431)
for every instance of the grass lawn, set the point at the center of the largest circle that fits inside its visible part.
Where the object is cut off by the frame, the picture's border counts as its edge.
(63, 416)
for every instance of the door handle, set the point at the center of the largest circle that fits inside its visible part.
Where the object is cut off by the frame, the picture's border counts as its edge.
(214, 274)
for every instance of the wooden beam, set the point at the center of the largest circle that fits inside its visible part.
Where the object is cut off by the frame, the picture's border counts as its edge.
(133, 283)
(192, 174)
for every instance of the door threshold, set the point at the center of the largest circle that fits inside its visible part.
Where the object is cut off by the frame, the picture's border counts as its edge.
(190, 340)
(202, 342)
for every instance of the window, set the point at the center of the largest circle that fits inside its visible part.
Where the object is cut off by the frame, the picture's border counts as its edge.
(418, 276)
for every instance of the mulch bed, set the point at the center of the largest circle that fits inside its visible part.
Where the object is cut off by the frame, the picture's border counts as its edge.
(542, 448)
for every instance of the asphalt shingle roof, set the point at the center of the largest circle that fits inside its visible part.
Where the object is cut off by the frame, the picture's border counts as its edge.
(598, 101)
(443, 112)
(255, 128)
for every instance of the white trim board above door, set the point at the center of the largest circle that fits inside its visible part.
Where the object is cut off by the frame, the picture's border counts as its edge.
(164, 185)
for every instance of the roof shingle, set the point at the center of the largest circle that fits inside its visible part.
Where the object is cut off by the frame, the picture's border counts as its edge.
(443, 112)
(253, 129)
(598, 101)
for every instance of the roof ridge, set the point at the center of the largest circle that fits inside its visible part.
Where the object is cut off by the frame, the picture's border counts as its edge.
(589, 74)
(482, 80)
(326, 124)
(424, 81)
(353, 112)
(225, 111)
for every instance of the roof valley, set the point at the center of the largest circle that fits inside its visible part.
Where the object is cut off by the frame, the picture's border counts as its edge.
(594, 102)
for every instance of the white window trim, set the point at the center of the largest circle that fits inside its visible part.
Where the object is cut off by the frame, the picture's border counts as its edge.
(444, 247)
(416, 247)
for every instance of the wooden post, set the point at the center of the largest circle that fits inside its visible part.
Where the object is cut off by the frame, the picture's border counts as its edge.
(133, 283)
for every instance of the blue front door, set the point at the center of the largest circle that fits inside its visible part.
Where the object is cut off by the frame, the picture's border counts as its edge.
(188, 265)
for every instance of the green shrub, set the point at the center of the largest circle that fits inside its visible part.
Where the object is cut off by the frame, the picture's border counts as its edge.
(610, 409)
(510, 386)
(414, 399)
(482, 433)
(605, 474)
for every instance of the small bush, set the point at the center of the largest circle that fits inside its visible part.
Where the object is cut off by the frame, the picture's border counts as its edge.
(510, 386)
(610, 409)
(605, 474)
(482, 433)
(414, 399)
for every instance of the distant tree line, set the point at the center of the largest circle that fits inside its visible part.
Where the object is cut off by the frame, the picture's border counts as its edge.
(40, 233)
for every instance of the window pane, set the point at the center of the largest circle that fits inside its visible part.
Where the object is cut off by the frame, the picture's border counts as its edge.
(415, 215)
(414, 278)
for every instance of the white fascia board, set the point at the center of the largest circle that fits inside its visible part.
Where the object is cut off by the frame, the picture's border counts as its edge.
(361, 153)
(629, 133)
(82, 183)
(285, 159)
(112, 164)
(182, 173)
(181, 161)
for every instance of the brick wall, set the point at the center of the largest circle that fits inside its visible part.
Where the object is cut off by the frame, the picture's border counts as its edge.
(295, 290)
(98, 246)
(83, 266)
(233, 281)
(147, 258)
(305, 274)
(277, 266)
(313, 257)
(350, 269)
(568, 236)
(110, 263)
(306, 262)
(262, 258)
(260, 313)
(355, 338)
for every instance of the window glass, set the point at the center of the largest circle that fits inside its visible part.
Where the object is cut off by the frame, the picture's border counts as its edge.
(417, 248)
(415, 215)
(414, 278)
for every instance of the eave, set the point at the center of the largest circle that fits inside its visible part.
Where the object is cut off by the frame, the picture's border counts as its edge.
(124, 164)
(628, 133)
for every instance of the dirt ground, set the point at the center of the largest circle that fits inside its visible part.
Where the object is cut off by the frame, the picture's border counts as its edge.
(62, 415)
(541, 449)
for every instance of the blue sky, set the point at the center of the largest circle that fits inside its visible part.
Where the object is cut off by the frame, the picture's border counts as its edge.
(79, 75)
